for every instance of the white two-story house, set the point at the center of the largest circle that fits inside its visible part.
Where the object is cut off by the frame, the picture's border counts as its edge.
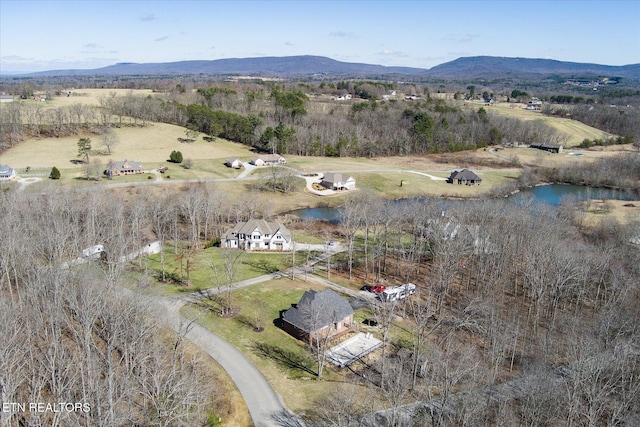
(256, 235)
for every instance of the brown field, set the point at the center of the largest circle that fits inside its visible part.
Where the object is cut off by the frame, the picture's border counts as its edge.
(92, 96)
(600, 212)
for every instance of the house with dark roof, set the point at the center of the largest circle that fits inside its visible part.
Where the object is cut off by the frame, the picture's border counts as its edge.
(464, 176)
(318, 315)
(7, 172)
(337, 181)
(125, 167)
(545, 146)
(257, 234)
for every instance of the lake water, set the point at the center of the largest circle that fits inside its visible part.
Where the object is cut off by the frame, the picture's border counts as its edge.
(553, 194)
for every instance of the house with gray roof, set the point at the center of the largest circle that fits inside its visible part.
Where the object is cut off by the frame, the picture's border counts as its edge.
(7, 172)
(256, 235)
(268, 160)
(464, 176)
(126, 167)
(318, 314)
(337, 181)
(233, 162)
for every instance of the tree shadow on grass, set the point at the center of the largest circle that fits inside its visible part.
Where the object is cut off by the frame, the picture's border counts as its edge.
(286, 358)
(264, 266)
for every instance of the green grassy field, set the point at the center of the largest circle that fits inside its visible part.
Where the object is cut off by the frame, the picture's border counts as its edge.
(203, 262)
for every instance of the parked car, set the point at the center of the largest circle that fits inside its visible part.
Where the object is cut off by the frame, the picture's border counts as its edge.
(378, 288)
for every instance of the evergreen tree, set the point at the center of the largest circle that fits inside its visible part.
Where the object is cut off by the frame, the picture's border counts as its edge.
(55, 173)
(175, 157)
(84, 148)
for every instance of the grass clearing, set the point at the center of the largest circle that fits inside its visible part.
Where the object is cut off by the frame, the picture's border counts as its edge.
(600, 212)
(415, 185)
(201, 274)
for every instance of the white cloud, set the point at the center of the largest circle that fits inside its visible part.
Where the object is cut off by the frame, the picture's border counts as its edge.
(342, 34)
(148, 18)
(391, 52)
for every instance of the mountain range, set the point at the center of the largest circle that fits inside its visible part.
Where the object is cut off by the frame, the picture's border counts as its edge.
(307, 65)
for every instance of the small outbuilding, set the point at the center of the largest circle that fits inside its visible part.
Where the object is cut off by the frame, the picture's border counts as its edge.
(318, 315)
(233, 162)
(7, 172)
(464, 176)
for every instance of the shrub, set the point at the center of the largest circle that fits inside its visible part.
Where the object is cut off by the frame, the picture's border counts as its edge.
(55, 173)
(175, 157)
(188, 163)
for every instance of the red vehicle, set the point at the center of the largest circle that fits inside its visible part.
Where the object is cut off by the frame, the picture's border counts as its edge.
(378, 288)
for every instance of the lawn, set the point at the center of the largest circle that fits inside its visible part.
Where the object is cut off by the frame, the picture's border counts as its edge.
(201, 274)
(415, 185)
(284, 361)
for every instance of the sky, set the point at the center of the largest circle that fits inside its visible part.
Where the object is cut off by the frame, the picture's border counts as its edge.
(53, 35)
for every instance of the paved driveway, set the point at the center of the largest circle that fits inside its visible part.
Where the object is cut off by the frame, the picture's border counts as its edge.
(264, 405)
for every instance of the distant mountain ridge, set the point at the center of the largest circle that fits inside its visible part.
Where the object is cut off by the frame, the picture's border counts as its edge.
(307, 65)
(488, 66)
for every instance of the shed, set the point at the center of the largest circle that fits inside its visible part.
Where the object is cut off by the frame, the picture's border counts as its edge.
(233, 162)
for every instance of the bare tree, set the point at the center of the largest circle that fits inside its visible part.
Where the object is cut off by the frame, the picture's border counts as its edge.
(109, 139)
(225, 279)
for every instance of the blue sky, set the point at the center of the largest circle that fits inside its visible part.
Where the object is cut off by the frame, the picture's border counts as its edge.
(46, 35)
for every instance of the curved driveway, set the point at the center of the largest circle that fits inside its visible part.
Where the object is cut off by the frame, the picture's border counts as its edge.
(264, 405)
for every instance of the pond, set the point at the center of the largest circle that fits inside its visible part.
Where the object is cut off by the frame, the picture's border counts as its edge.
(553, 194)
(556, 194)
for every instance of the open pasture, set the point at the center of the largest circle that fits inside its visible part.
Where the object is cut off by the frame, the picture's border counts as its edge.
(575, 131)
(150, 145)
